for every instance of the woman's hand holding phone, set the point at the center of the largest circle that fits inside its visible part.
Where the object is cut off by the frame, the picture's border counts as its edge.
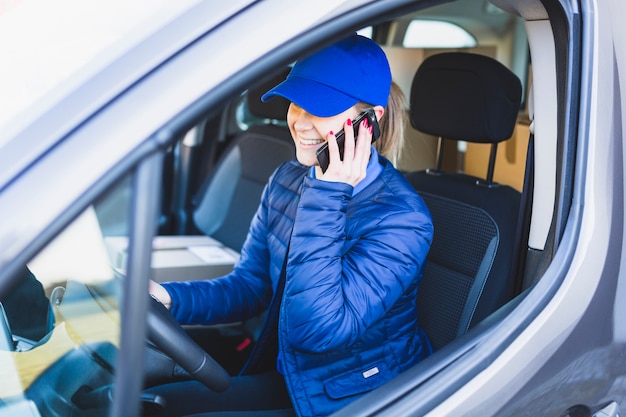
(356, 154)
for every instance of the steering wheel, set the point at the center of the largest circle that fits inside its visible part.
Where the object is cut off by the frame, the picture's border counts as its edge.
(169, 336)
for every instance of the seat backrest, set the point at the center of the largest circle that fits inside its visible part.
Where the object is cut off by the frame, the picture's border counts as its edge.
(229, 198)
(470, 267)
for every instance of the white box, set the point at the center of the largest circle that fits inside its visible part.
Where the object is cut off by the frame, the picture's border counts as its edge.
(179, 258)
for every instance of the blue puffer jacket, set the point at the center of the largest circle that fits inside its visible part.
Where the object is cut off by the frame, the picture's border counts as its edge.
(348, 317)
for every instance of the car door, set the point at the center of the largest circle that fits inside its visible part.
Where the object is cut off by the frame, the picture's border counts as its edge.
(556, 349)
(112, 123)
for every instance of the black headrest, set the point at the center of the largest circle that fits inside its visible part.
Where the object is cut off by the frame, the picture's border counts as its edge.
(465, 96)
(276, 108)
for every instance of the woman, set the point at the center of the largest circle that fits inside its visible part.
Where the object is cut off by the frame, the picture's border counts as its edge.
(349, 244)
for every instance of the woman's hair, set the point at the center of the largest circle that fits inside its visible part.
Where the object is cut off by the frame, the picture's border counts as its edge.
(392, 125)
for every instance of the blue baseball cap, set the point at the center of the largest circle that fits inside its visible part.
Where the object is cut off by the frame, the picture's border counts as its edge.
(338, 77)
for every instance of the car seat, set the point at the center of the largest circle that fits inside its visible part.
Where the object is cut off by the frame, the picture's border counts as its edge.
(470, 267)
(227, 201)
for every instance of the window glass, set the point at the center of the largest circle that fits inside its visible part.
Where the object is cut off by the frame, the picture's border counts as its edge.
(366, 31)
(437, 34)
(61, 324)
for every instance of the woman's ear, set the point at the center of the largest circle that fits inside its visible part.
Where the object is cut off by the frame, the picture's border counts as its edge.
(379, 111)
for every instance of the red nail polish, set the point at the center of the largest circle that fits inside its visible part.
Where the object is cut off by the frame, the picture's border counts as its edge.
(349, 122)
(331, 133)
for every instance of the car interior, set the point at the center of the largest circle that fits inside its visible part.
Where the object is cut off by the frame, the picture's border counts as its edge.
(465, 96)
(470, 152)
(225, 203)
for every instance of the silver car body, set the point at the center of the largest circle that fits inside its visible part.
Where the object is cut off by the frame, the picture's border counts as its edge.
(558, 351)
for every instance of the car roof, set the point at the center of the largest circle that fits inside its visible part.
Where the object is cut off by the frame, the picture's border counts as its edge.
(50, 42)
(65, 45)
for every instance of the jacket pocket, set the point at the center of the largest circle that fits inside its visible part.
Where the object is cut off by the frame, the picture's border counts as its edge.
(357, 381)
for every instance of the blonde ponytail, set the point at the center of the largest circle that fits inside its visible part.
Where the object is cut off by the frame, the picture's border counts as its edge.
(392, 125)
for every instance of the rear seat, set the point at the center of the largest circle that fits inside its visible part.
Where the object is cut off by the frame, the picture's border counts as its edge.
(227, 201)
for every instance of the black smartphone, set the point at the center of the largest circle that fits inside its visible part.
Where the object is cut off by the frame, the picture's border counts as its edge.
(323, 156)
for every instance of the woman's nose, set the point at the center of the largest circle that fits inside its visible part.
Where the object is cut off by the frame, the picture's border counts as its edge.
(302, 121)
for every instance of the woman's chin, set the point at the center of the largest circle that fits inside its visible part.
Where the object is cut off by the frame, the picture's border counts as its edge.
(308, 159)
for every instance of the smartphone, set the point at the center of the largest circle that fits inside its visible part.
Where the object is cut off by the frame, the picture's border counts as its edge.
(323, 156)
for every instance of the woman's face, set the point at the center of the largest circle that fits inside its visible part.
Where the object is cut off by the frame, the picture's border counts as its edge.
(310, 132)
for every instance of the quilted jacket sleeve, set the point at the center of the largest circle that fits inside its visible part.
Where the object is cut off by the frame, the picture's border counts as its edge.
(238, 296)
(342, 279)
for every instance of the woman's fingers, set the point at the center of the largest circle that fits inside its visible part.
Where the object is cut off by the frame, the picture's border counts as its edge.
(349, 142)
(364, 149)
(333, 149)
(352, 169)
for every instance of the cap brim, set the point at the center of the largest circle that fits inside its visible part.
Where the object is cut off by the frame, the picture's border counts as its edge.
(316, 98)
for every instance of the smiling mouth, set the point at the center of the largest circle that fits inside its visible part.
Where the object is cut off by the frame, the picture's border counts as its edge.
(311, 142)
